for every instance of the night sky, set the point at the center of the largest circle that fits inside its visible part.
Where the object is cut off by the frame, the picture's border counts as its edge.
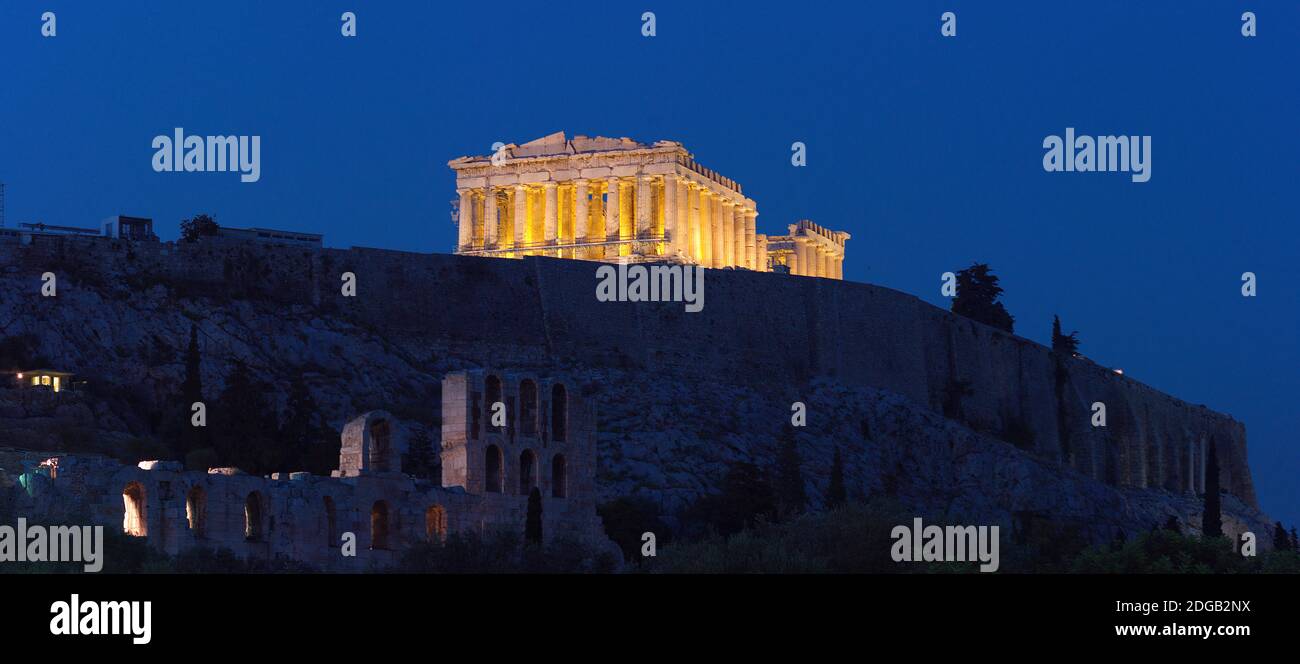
(927, 150)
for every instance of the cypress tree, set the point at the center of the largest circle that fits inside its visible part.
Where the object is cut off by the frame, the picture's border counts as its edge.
(1211, 518)
(789, 477)
(977, 298)
(1281, 541)
(1066, 344)
(192, 437)
(533, 523)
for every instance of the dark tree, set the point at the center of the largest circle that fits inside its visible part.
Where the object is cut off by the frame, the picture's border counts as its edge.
(301, 432)
(244, 432)
(198, 226)
(1066, 344)
(1172, 524)
(627, 518)
(1211, 518)
(192, 437)
(420, 460)
(977, 298)
(746, 498)
(1295, 543)
(1281, 541)
(835, 493)
(533, 524)
(790, 494)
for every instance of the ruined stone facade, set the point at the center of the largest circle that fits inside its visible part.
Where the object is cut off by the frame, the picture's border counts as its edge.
(809, 250)
(616, 199)
(547, 443)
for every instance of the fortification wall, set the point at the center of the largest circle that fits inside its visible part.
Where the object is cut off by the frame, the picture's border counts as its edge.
(756, 328)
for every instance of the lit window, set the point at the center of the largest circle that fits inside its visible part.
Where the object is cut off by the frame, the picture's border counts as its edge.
(56, 383)
(45, 380)
(36, 380)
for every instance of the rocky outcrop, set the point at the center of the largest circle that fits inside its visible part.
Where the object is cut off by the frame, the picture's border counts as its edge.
(942, 411)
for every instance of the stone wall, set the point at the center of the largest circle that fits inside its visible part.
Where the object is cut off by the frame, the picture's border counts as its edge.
(756, 328)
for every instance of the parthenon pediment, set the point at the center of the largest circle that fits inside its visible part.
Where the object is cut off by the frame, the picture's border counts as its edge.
(559, 144)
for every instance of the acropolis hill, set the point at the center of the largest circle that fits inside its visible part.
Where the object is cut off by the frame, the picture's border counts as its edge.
(944, 413)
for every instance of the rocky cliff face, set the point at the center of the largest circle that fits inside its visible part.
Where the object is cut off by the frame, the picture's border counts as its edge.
(949, 415)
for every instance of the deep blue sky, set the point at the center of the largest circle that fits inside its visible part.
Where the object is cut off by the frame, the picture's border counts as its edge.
(927, 150)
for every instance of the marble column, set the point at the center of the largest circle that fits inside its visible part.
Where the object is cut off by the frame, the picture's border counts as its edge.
(806, 267)
(792, 260)
(550, 213)
(706, 227)
(521, 214)
(751, 245)
(738, 235)
(611, 215)
(581, 212)
(760, 253)
(728, 233)
(642, 184)
(465, 219)
(490, 227)
(670, 215)
(684, 219)
(719, 255)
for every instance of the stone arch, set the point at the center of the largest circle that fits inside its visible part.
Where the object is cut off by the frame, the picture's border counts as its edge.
(528, 406)
(196, 511)
(331, 523)
(435, 524)
(379, 526)
(559, 412)
(527, 471)
(135, 519)
(254, 517)
(492, 468)
(559, 477)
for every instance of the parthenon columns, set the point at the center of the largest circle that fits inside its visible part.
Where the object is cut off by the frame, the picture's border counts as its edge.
(466, 218)
(670, 214)
(750, 244)
(490, 217)
(611, 213)
(582, 226)
(642, 184)
(521, 214)
(684, 227)
(728, 233)
(719, 233)
(551, 214)
(705, 255)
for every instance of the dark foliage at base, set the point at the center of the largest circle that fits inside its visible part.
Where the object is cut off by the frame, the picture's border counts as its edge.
(502, 553)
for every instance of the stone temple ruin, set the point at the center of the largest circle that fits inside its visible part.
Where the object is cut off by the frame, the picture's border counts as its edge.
(548, 442)
(614, 199)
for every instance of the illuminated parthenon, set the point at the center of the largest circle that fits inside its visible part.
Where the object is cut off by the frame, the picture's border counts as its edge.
(809, 250)
(611, 199)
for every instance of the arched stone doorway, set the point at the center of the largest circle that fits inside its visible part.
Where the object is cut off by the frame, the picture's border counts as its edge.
(527, 472)
(492, 470)
(135, 521)
(379, 525)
